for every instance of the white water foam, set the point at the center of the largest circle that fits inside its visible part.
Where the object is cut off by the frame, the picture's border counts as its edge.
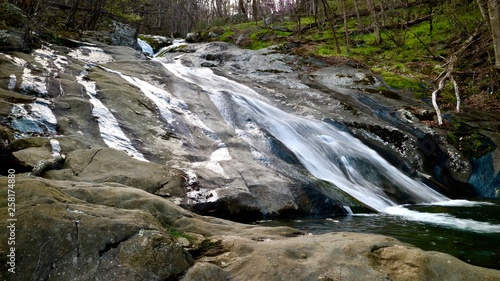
(51, 61)
(461, 203)
(15, 60)
(175, 44)
(33, 83)
(12, 82)
(56, 147)
(443, 219)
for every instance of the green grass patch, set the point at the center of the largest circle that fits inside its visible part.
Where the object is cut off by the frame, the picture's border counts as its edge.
(178, 234)
(326, 50)
(398, 81)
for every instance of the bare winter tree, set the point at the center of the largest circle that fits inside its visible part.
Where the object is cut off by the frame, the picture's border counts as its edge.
(494, 23)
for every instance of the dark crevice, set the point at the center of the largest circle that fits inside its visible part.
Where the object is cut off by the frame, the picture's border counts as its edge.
(90, 161)
(113, 245)
(375, 248)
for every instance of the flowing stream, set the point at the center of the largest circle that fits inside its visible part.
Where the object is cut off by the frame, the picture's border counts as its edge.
(328, 153)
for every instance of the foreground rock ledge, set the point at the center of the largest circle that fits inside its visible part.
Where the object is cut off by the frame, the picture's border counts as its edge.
(67, 230)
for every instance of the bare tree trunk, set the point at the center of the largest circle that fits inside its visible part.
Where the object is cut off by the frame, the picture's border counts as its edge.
(382, 14)
(241, 6)
(72, 13)
(360, 22)
(448, 74)
(483, 7)
(375, 24)
(346, 27)
(218, 8)
(494, 13)
(96, 14)
(255, 10)
(332, 25)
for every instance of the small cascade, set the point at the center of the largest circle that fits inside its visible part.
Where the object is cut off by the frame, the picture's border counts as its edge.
(146, 48)
(175, 44)
(175, 112)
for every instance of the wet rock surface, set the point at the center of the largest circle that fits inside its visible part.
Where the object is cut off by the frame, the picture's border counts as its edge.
(69, 230)
(138, 143)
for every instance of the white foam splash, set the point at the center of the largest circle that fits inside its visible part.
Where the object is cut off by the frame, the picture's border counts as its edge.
(202, 195)
(175, 44)
(460, 203)
(51, 61)
(443, 219)
(15, 60)
(221, 153)
(56, 147)
(192, 177)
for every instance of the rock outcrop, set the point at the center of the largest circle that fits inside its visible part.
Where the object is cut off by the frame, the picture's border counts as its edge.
(67, 230)
(138, 143)
(61, 237)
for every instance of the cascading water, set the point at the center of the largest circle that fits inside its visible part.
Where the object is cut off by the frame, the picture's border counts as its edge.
(327, 153)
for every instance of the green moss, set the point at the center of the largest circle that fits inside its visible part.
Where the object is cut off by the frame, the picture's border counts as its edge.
(404, 64)
(227, 36)
(326, 50)
(398, 81)
(177, 234)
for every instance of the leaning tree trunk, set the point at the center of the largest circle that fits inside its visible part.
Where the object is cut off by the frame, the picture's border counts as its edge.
(358, 16)
(95, 14)
(332, 25)
(447, 74)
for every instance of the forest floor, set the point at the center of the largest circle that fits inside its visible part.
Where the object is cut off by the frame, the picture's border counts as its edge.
(409, 57)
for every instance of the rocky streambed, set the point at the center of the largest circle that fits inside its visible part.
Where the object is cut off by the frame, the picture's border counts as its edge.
(117, 157)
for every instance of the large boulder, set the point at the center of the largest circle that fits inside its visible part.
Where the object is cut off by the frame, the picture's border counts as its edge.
(335, 256)
(117, 34)
(111, 165)
(12, 28)
(60, 237)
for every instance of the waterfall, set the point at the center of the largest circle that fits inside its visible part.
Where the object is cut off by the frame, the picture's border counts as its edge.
(326, 152)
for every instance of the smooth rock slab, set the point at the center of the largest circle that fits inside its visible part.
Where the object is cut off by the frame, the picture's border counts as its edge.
(338, 256)
(59, 237)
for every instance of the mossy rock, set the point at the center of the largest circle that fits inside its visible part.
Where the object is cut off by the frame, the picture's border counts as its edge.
(469, 141)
